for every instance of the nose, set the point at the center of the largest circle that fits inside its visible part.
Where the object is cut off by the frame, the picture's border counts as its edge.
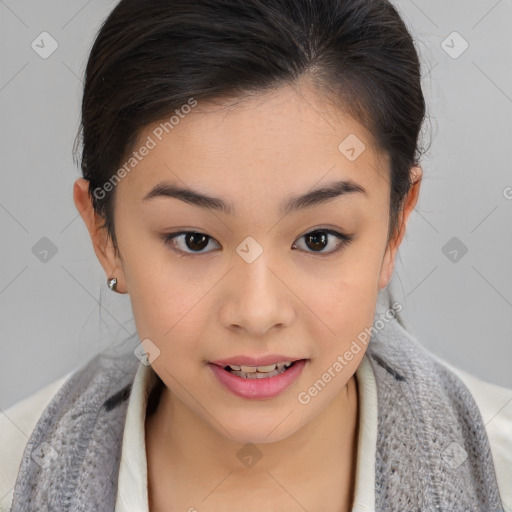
(259, 298)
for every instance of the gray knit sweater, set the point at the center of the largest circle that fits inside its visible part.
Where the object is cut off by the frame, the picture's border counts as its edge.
(433, 453)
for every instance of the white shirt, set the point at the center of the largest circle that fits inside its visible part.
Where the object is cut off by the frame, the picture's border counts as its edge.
(18, 421)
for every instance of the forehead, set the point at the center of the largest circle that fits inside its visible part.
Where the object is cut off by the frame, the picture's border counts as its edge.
(288, 139)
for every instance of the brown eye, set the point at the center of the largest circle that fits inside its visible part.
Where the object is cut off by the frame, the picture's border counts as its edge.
(318, 240)
(196, 241)
(191, 242)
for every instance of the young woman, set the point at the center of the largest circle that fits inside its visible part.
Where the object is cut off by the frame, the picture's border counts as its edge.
(249, 168)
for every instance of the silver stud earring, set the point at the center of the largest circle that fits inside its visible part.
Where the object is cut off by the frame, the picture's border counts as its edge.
(112, 283)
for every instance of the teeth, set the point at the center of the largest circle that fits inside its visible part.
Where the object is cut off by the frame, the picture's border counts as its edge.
(253, 369)
(257, 375)
(267, 368)
(249, 369)
(259, 372)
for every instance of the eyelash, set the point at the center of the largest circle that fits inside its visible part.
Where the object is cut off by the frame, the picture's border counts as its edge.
(343, 241)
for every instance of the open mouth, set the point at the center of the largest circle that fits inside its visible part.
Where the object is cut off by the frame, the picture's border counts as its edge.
(259, 372)
(257, 381)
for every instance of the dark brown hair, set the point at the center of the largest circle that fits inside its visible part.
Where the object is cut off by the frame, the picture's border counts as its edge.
(151, 56)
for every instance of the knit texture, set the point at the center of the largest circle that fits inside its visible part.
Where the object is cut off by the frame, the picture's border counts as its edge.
(433, 454)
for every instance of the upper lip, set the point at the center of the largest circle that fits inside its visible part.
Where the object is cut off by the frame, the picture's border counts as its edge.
(255, 361)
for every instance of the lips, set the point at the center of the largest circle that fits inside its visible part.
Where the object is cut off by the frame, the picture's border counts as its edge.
(256, 385)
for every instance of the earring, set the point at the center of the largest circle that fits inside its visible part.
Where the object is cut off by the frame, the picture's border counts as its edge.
(112, 284)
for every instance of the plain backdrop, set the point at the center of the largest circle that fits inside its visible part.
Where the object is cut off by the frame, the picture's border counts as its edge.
(454, 269)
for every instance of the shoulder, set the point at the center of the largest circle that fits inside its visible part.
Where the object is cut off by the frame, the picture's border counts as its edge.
(16, 424)
(495, 405)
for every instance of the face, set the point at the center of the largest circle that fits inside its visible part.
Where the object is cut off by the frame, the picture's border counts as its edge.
(265, 278)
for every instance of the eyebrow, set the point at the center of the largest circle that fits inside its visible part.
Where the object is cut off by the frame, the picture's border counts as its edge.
(313, 198)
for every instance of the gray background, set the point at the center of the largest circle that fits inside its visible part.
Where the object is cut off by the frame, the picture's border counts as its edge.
(58, 313)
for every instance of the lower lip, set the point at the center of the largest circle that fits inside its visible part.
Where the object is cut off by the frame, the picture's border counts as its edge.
(258, 388)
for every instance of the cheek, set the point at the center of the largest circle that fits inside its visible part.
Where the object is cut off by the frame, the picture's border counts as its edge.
(344, 309)
(348, 319)
(170, 312)
(347, 296)
(160, 295)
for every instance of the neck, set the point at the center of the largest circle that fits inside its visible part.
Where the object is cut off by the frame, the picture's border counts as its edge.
(319, 458)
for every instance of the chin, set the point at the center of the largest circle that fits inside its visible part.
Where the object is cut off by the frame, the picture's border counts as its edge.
(259, 436)
(257, 430)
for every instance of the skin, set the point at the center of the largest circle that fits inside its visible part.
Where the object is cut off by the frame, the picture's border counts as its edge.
(213, 304)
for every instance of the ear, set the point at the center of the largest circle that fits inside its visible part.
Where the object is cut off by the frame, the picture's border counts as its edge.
(388, 262)
(102, 243)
